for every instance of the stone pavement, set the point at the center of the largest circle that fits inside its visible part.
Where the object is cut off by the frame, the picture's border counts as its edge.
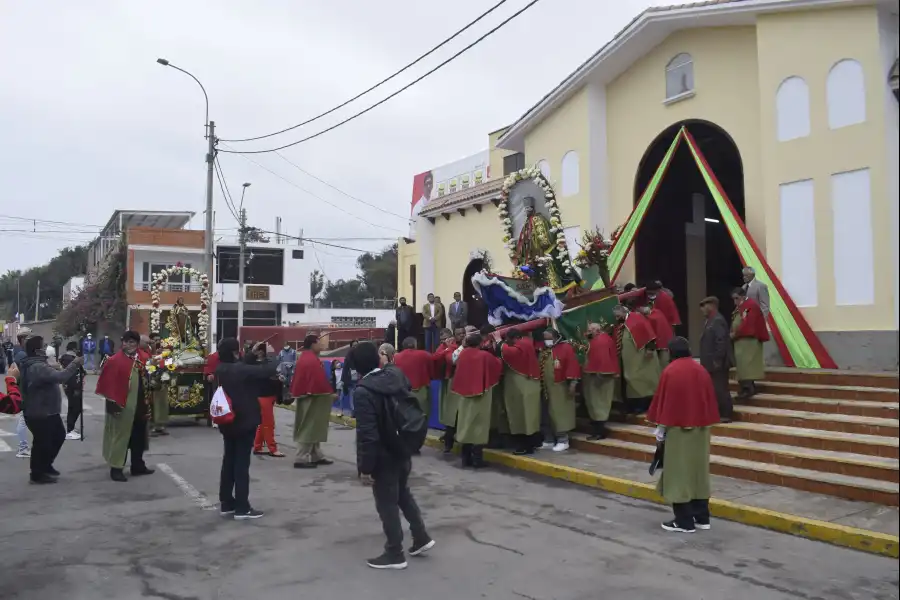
(501, 536)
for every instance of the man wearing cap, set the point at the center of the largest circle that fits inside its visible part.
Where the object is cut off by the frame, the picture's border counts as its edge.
(716, 354)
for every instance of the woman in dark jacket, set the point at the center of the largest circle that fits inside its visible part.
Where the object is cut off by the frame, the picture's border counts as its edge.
(240, 382)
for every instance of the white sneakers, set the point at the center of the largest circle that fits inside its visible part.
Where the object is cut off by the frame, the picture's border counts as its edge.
(561, 446)
(73, 435)
(548, 446)
(26, 453)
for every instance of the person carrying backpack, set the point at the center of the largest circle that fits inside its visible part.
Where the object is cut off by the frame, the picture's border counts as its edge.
(385, 412)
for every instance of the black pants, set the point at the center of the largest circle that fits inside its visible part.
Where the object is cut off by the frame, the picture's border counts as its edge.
(137, 443)
(48, 435)
(723, 396)
(688, 513)
(76, 404)
(234, 482)
(392, 495)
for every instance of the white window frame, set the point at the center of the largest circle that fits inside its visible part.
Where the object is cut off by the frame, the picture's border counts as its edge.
(671, 68)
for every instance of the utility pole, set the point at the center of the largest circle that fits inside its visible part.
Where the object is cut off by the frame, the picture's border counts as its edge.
(243, 243)
(37, 301)
(210, 158)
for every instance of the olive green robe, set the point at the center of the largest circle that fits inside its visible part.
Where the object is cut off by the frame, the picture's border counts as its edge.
(423, 397)
(685, 473)
(311, 418)
(117, 428)
(474, 422)
(561, 404)
(522, 397)
(448, 405)
(749, 361)
(499, 419)
(161, 406)
(599, 391)
(641, 369)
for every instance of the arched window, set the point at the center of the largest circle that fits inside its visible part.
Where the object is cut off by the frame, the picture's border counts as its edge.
(792, 109)
(544, 166)
(570, 173)
(679, 76)
(845, 91)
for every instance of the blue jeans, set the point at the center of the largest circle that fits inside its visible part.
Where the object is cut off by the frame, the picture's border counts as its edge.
(90, 362)
(431, 338)
(22, 432)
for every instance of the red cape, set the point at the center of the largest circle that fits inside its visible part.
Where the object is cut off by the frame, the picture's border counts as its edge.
(443, 360)
(753, 323)
(309, 376)
(212, 361)
(521, 357)
(417, 365)
(477, 371)
(684, 397)
(666, 305)
(640, 329)
(568, 368)
(115, 378)
(602, 356)
(661, 328)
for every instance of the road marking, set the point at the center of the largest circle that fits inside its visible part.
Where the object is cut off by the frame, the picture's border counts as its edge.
(189, 490)
(4, 447)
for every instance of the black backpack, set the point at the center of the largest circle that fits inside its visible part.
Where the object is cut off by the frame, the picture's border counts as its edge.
(406, 424)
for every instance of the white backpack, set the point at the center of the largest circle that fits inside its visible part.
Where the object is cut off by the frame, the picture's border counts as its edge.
(220, 409)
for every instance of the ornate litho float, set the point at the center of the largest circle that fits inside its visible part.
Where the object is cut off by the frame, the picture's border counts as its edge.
(177, 365)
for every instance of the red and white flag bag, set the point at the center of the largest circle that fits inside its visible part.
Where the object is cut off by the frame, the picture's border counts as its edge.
(220, 409)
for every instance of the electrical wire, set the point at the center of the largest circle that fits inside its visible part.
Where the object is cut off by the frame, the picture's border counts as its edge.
(396, 93)
(380, 83)
(315, 241)
(223, 186)
(306, 191)
(46, 221)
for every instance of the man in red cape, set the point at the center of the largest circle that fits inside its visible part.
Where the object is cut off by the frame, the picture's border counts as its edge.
(560, 374)
(749, 332)
(601, 372)
(418, 366)
(124, 384)
(478, 371)
(660, 299)
(314, 396)
(662, 330)
(636, 343)
(684, 407)
(522, 390)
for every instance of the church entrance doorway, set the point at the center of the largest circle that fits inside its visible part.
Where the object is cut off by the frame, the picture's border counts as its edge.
(477, 308)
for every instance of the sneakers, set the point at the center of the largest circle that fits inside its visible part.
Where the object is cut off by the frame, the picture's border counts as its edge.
(41, 479)
(548, 446)
(561, 446)
(703, 526)
(673, 526)
(386, 561)
(23, 453)
(225, 511)
(419, 548)
(73, 435)
(250, 514)
(52, 472)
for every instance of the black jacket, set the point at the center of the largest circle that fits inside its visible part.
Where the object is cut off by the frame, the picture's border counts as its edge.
(266, 388)
(41, 396)
(76, 382)
(715, 345)
(369, 402)
(241, 382)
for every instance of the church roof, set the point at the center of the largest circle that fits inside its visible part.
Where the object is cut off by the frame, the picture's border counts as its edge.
(477, 195)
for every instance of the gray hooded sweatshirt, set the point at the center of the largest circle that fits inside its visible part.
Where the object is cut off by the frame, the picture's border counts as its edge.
(41, 396)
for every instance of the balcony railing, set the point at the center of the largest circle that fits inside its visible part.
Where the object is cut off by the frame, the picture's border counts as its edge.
(169, 287)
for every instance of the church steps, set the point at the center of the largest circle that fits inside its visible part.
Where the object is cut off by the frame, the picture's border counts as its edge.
(834, 484)
(844, 463)
(858, 408)
(813, 420)
(828, 377)
(829, 392)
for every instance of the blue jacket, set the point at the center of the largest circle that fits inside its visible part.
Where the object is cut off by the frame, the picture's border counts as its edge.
(106, 346)
(89, 346)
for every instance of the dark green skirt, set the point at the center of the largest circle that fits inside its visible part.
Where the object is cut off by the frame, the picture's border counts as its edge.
(685, 473)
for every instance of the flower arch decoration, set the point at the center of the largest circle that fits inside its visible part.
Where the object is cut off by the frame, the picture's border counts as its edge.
(159, 283)
(560, 250)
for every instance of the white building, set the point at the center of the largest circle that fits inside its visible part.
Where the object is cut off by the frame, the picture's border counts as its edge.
(72, 288)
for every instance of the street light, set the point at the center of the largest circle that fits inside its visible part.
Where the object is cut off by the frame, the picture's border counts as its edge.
(244, 191)
(210, 136)
(242, 233)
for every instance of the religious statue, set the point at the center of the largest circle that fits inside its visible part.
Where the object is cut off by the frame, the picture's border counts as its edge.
(536, 241)
(181, 318)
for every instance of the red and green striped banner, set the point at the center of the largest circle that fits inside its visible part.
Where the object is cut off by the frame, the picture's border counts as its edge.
(798, 344)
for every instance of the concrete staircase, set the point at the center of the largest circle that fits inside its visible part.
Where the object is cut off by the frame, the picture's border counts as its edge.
(826, 432)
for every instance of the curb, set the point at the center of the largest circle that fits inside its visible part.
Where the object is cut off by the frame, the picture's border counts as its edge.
(863, 540)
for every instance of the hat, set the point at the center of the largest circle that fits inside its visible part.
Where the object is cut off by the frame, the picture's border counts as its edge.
(90, 335)
(710, 300)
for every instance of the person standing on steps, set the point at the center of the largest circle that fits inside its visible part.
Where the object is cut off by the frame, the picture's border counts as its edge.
(459, 312)
(42, 407)
(662, 330)
(636, 343)
(684, 410)
(240, 382)
(601, 377)
(315, 396)
(382, 460)
(432, 313)
(125, 386)
(479, 373)
(756, 290)
(560, 373)
(749, 333)
(406, 319)
(74, 391)
(715, 354)
(521, 390)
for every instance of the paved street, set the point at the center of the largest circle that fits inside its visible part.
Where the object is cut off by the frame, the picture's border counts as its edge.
(500, 535)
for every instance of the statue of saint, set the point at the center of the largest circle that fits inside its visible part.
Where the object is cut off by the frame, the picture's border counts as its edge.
(536, 240)
(182, 318)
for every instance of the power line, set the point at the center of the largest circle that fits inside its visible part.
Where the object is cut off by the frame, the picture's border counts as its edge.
(229, 203)
(314, 241)
(398, 92)
(380, 83)
(306, 191)
(46, 221)
(339, 190)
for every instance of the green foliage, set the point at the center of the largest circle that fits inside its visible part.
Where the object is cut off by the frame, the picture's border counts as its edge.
(316, 283)
(377, 280)
(53, 276)
(102, 300)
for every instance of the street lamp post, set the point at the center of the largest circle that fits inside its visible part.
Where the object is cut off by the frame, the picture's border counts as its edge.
(210, 136)
(243, 245)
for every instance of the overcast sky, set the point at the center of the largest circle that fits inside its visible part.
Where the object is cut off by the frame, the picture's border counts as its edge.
(89, 123)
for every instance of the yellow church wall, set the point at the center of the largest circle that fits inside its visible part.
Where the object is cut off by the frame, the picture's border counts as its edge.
(565, 130)
(726, 93)
(807, 44)
(407, 256)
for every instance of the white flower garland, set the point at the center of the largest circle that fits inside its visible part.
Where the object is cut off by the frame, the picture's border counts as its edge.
(156, 288)
(560, 250)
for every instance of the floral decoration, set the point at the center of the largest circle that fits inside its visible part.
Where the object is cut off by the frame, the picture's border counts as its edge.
(158, 285)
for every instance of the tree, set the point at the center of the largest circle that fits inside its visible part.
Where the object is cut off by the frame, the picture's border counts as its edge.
(378, 272)
(344, 293)
(255, 235)
(18, 289)
(316, 284)
(101, 300)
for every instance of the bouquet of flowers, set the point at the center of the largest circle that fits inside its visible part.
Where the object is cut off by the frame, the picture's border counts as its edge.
(536, 271)
(595, 249)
